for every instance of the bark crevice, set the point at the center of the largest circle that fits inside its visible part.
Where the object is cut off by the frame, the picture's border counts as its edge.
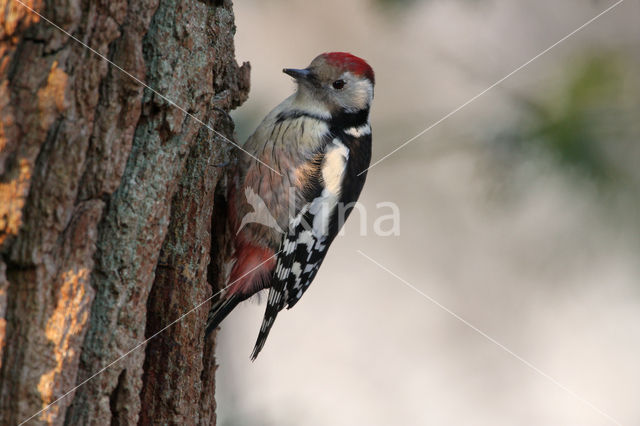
(107, 207)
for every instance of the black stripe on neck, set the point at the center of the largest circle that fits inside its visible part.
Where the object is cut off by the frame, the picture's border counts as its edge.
(297, 113)
(343, 119)
(339, 120)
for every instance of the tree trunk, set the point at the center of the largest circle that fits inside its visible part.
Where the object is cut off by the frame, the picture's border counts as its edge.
(107, 207)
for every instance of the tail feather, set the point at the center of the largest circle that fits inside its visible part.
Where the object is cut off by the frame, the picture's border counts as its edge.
(220, 310)
(262, 336)
(274, 305)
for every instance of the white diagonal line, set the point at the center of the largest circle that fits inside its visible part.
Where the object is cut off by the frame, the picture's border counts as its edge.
(102, 370)
(492, 340)
(122, 70)
(492, 86)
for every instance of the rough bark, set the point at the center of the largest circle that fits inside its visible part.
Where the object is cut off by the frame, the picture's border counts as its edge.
(107, 207)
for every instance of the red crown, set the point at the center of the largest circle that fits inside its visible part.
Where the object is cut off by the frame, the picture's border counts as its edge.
(351, 63)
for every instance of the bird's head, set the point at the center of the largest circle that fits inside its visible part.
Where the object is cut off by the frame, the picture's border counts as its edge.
(336, 81)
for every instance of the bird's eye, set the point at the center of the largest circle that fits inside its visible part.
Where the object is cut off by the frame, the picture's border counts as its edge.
(338, 84)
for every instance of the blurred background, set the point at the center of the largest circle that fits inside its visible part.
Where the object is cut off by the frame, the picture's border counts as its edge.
(519, 213)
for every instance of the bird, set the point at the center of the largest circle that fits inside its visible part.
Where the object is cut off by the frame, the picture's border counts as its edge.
(314, 149)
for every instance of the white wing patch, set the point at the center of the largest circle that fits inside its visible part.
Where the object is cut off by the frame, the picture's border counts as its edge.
(306, 238)
(356, 132)
(289, 246)
(333, 167)
(296, 269)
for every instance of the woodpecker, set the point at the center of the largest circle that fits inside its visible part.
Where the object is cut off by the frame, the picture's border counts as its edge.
(314, 149)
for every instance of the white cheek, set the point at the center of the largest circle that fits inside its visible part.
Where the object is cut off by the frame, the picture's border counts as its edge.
(360, 96)
(368, 89)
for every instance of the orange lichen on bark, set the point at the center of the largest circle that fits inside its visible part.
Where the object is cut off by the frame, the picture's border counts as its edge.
(13, 13)
(6, 117)
(12, 197)
(52, 102)
(51, 98)
(67, 321)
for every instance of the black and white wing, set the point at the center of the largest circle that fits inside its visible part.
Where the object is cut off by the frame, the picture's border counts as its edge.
(313, 229)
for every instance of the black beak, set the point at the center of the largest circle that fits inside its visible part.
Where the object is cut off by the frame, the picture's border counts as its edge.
(303, 74)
